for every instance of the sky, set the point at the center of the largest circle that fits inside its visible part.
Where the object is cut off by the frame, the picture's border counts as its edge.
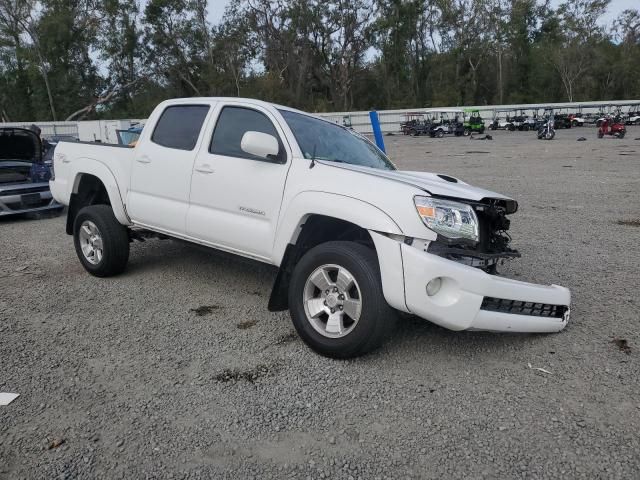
(216, 9)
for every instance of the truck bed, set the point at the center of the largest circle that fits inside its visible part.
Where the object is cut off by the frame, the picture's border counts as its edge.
(72, 157)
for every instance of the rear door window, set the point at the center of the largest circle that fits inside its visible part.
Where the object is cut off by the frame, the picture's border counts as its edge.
(179, 126)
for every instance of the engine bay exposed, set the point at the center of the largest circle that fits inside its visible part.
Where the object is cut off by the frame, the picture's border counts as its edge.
(493, 246)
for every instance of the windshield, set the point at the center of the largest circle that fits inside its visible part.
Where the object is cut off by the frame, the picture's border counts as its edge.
(334, 143)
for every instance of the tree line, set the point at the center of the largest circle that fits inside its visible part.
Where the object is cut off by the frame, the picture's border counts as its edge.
(83, 59)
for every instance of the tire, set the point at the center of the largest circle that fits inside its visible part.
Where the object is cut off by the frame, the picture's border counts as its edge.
(621, 135)
(467, 132)
(99, 222)
(637, 122)
(481, 131)
(550, 135)
(376, 319)
(525, 128)
(511, 127)
(600, 135)
(440, 133)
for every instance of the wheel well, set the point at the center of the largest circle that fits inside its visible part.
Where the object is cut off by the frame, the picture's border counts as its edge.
(316, 229)
(89, 191)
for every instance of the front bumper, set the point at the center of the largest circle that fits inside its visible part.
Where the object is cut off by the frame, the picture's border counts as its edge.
(26, 198)
(470, 299)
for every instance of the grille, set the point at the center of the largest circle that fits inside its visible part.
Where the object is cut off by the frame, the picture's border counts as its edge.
(22, 191)
(523, 308)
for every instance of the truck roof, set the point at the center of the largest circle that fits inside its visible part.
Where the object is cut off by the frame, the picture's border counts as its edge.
(250, 101)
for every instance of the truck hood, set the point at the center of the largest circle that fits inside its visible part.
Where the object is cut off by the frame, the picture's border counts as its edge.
(433, 183)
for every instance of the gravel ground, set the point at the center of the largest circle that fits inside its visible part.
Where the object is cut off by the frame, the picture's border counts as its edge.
(177, 370)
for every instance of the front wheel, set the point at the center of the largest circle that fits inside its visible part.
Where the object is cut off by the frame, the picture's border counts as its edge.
(440, 133)
(467, 132)
(101, 242)
(336, 301)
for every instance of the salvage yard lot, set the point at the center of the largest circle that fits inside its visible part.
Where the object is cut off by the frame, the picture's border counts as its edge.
(176, 368)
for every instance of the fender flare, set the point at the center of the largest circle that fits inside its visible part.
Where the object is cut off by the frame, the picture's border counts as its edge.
(343, 207)
(89, 166)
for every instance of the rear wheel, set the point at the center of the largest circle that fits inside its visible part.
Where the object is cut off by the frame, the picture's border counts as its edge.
(336, 300)
(101, 242)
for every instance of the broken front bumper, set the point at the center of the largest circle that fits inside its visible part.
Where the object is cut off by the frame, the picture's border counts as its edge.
(470, 299)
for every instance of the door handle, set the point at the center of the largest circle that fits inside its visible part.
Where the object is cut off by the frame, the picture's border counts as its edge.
(204, 168)
(143, 159)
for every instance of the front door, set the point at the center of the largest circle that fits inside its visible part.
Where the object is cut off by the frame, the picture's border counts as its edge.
(236, 197)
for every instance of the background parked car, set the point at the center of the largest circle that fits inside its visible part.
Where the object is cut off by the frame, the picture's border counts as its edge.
(24, 172)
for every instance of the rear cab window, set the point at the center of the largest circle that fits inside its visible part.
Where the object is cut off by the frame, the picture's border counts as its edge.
(179, 126)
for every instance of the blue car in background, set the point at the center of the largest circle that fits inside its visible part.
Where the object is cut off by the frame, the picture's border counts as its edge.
(25, 171)
(129, 137)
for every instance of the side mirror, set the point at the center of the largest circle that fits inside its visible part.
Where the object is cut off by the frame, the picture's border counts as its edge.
(261, 145)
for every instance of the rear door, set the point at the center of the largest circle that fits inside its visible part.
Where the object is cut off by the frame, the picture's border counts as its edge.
(158, 195)
(236, 197)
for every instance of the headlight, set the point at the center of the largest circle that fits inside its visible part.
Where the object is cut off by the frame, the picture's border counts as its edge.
(450, 219)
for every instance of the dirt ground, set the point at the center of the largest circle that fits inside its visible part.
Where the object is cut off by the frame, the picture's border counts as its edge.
(177, 370)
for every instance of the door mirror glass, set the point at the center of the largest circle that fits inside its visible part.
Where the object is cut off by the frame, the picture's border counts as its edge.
(260, 145)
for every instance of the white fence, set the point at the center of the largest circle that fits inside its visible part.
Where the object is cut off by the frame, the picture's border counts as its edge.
(104, 130)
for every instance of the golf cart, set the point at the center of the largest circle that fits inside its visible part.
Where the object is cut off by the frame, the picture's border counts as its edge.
(414, 123)
(576, 119)
(446, 122)
(560, 119)
(502, 120)
(473, 123)
(613, 113)
(523, 122)
(633, 115)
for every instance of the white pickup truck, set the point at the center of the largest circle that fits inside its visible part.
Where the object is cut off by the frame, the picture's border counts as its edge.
(354, 238)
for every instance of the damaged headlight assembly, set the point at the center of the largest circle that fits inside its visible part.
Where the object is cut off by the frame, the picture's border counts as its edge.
(452, 220)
